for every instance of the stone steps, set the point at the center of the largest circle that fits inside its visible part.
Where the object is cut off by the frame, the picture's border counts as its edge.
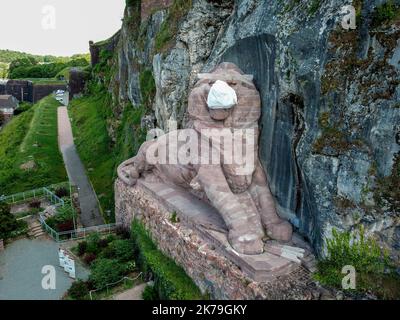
(36, 230)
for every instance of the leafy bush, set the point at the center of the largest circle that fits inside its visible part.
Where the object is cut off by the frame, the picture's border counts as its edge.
(89, 258)
(103, 243)
(170, 281)
(63, 220)
(8, 222)
(78, 290)
(371, 263)
(110, 238)
(22, 228)
(123, 250)
(93, 243)
(106, 271)
(61, 192)
(35, 204)
(23, 106)
(82, 246)
(108, 253)
(150, 293)
(122, 232)
(65, 226)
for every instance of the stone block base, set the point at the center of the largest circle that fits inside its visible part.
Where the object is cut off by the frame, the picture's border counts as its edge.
(192, 233)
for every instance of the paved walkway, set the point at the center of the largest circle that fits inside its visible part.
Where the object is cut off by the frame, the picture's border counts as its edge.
(21, 271)
(132, 294)
(90, 213)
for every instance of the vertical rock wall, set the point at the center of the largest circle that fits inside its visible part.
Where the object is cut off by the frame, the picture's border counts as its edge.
(330, 123)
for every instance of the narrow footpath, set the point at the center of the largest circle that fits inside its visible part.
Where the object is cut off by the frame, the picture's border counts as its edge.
(90, 213)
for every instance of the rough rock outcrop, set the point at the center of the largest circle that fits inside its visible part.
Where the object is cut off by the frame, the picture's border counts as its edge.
(330, 123)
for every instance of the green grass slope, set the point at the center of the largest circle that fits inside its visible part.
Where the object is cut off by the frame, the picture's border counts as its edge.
(31, 138)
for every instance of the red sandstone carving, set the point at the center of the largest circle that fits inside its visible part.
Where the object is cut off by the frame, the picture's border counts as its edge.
(244, 201)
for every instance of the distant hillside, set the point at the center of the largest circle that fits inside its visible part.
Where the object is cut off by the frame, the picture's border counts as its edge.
(8, 57)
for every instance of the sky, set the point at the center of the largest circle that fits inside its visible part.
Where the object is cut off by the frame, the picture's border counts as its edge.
(57, 27)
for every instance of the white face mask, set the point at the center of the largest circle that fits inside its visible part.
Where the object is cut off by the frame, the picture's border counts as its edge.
(221, 96)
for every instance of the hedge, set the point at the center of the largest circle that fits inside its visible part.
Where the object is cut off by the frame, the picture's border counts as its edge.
(170, 281)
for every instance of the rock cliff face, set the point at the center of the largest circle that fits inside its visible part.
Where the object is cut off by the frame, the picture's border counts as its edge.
(330, 140)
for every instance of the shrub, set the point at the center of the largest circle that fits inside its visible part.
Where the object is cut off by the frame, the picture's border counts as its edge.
(106, 271)
(22, 228)
(122, 232)
(103, 243)
(8, 222)
(35, 204)
(82, 246)
(123, 250)
(23, 106)
(78, 290)
(89, 258)
(170, 281)
(371, 263)
(93, 243)
(65, 226)
(110, 238)
(63, 220)
(61, 192)
(150, 293)
(108, 253)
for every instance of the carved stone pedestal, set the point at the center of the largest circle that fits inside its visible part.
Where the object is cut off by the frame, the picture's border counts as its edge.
(194, 235)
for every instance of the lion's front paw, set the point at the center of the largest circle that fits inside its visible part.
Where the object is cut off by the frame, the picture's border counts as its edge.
(246, 243)
(281, 231)
(128, 175)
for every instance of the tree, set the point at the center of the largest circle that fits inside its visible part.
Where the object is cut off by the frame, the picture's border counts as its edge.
(8, 222)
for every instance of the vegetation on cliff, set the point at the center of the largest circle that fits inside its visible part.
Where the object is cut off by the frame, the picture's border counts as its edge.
(375, 273)
(170, 281)
(169, 28)
(29, 153)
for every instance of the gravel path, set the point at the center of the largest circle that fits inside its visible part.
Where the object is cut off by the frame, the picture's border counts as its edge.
(90, 213)
(21, 271)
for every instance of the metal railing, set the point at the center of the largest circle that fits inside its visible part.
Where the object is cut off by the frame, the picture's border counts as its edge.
(33, 194)
(76, 234)
(112, 285)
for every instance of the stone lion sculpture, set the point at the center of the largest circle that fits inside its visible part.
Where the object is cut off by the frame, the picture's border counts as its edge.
(244, 200)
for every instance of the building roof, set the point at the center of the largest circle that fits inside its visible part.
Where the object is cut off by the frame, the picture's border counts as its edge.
(8, 101)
